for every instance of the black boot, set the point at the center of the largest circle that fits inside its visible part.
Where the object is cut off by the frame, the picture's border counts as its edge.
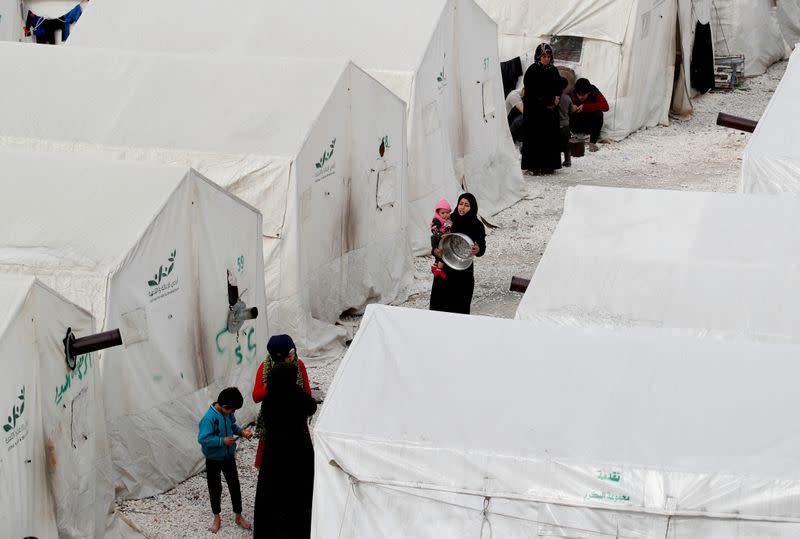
(567, 157)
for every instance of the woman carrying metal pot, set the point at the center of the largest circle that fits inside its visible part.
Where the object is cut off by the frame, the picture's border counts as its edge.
(454, 293)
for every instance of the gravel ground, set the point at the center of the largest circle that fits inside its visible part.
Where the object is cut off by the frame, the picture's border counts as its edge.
(694, 155)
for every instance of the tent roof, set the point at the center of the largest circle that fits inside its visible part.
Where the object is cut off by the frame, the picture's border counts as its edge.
(77, 214)
(527, 411)
(606, 20)
(378, 34)
(13, 291)
(710, 262)
(771, 160)
(237, 106)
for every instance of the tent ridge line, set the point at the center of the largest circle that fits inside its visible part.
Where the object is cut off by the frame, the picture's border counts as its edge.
(565, 503)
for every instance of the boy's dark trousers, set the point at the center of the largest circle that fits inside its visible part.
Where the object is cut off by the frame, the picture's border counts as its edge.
(227, 468)
(587, 122)
(564, 133)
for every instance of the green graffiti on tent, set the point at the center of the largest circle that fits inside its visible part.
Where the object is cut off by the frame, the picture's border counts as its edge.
(16, 411)
(163, 270)
(237, 352)
(240, 263)
(82, 366)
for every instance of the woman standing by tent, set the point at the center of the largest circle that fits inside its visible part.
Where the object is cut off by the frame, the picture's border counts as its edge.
(280, 349)
(286, 477)
(454, 293)
(541, 153)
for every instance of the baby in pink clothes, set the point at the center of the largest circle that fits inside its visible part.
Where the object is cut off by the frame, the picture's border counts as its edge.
(440, 226)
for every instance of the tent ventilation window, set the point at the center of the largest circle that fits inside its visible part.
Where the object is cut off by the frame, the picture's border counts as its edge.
(567, 48)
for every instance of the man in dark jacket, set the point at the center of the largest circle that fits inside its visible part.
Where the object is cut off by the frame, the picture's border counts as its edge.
(588, 115)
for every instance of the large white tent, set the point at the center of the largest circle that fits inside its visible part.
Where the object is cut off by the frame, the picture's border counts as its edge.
(55, 469)
(751, 28)
(317, 145)
(626, 48)
(771, 161)
(440, 56)
(147, 248)
(706, 263)
(526, 430)
(789, 21)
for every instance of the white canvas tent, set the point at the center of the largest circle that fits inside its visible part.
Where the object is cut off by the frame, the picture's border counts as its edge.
(523, 430)
(789, 21)
(625, 48)
(316, 145)
(147, 248)
(440, 56)
(771, 161)
(11, 21)
(749, 27)
(706, 263)
(55, 469)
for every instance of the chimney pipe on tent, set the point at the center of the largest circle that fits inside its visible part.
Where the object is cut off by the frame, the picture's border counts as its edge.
(736, 122)
(74, 347)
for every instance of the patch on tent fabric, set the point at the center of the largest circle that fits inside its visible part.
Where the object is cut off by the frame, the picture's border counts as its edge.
(487, 98)
(567, 48)
(385, 176)
(645, 25)
(133, 326)
(430, 117)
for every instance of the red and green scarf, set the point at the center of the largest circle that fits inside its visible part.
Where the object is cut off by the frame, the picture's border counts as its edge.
(268, 364)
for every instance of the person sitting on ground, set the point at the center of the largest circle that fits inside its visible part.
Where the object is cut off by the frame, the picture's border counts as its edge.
(565, 108)
(514, 110)
(217, 436)
(588, 116)
(440, 226)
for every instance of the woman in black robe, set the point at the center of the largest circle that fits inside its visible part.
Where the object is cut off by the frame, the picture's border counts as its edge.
(453, 294)
(286, 477)
(541, 151)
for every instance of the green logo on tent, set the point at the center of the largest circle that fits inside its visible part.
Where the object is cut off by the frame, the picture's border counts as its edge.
(16, 411)
(327, 154)
(163, 271)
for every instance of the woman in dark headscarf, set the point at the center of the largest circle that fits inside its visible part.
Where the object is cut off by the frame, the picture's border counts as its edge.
(286, 477)
(454, 293)
(541, 152)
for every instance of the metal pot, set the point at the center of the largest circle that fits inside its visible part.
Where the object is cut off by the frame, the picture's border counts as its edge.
(457, 250)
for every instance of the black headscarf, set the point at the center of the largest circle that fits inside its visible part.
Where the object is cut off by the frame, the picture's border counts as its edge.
(467, 220)
(541, 49)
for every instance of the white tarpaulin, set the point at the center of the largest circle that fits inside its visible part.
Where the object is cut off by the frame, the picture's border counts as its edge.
(317, 146)
(522, 430)
(440, 56)
(626, 49)
(709, 263)
(11, 21)
(55, 469)
(771, 161)
(789, 21)
(751, 28)
(147, 249)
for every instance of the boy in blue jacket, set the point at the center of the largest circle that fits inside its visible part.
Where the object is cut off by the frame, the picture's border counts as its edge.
(217, 438)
